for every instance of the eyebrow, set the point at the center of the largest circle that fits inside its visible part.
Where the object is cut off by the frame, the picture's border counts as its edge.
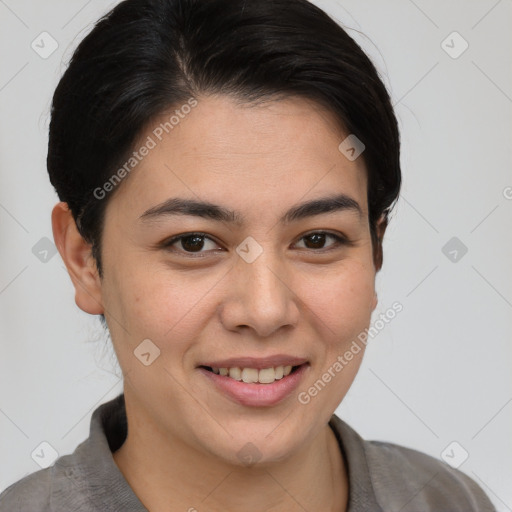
(203, 209)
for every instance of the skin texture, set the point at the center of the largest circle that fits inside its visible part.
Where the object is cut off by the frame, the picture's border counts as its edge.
(296, 298)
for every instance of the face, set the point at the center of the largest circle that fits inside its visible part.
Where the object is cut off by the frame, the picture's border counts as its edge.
(253, 284)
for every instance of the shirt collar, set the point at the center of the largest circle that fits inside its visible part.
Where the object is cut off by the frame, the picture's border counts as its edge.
(105, 487)
(361, 496)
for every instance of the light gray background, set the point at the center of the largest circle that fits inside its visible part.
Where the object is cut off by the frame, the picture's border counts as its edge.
(438, 373)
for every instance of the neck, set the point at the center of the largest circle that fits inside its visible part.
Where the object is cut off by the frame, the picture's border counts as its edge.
(167, 474)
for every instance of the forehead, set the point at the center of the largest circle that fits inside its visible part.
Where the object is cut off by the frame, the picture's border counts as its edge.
(246, 156)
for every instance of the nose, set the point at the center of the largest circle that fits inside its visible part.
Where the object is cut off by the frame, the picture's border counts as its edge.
(260, 297)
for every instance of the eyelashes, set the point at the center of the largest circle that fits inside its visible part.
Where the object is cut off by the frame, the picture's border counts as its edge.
(196, 240)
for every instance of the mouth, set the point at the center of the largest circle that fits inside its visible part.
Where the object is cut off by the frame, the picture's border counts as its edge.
(251, 369)
(250, 375)
(256, 387)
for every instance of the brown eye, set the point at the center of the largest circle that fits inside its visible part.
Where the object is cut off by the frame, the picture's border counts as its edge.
(190, 243)
(318, 239)
(193, 243)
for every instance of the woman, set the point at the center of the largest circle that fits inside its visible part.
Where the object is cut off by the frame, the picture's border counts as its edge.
(226, 171)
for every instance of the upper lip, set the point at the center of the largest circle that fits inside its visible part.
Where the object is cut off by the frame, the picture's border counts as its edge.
(259, 363)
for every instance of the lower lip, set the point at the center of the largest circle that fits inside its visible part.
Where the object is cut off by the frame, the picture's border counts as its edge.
(256, 394)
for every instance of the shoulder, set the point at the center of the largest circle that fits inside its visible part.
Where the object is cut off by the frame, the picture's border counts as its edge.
(85, 480)
(60, 484)
(406, 479)
(392, 477)
(32, 492)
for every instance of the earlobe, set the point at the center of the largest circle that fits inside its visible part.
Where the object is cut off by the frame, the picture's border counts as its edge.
(77, 256)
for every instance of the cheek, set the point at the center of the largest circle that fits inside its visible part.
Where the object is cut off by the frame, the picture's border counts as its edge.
(342, 300)
(340, 306)
(162, 305)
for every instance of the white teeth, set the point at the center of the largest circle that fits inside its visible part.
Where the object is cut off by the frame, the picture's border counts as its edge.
(253, 375)
(235, 373)
(249, 375)
(267, 376)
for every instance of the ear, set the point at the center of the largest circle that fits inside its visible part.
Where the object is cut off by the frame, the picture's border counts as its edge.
(378, 256)
(77, 256)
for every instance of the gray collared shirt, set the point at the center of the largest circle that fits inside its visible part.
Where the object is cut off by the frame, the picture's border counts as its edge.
(382, 476)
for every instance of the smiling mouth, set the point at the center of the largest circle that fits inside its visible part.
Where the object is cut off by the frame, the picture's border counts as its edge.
(253, 375)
